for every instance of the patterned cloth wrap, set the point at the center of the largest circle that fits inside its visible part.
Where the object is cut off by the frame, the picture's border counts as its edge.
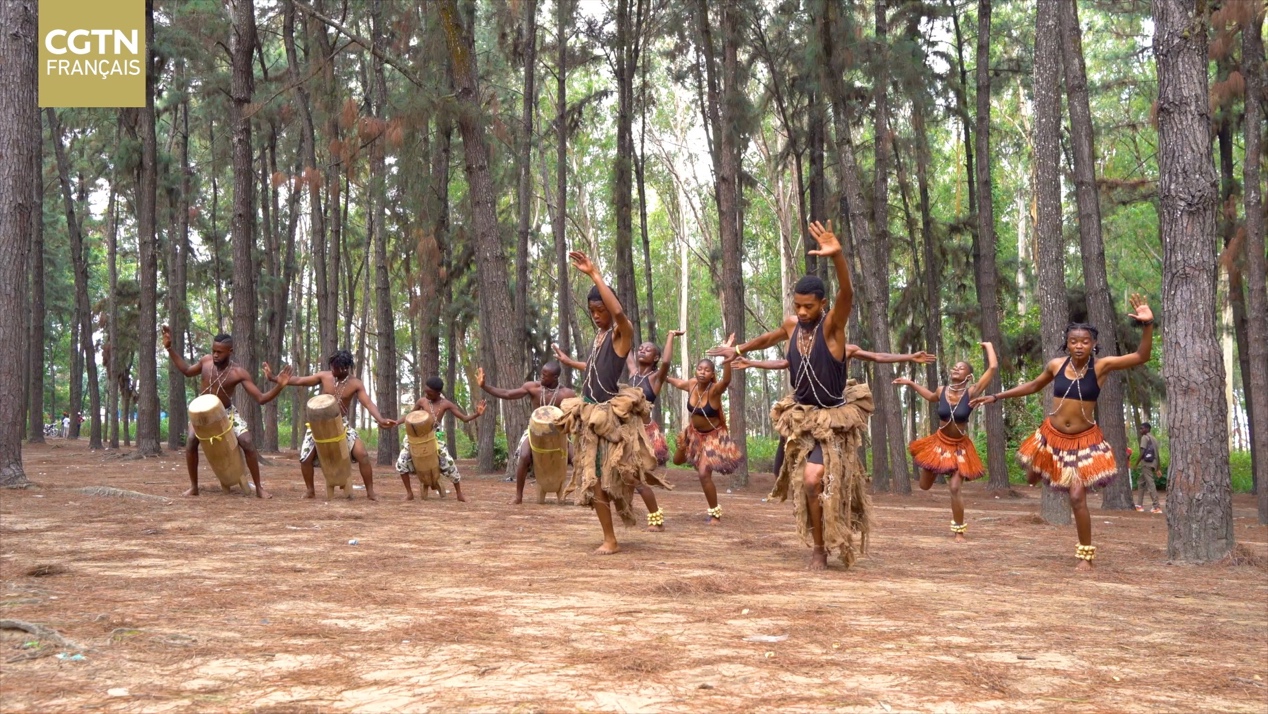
(310, 444)
(840, 431)
(946, 455)
(1060, 458)
(714, 449)
(611, 449)
(239, 424)
(448, 469)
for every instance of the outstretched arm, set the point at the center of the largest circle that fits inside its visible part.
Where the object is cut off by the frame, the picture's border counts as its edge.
(177, 359)
(683, 384)
(923, 391)
(745, 363)
(992, 366)
(760, 342)
(517, 393)
(920, 357)
(479, 410)
(1142, 314)
(721, 385)
(566, 360)
(311, 380)
(283, 379)
(667, 354)
(1031, 387)
(829, 246)
(364, 398)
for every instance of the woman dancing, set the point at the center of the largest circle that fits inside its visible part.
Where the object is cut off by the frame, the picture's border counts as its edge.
(647, 372)
(705, 442)
(949, 451)
(1068, 451)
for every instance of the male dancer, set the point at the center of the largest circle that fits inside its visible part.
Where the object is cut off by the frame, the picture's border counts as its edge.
(339, 383)
(611, 450)
(546, 393)
(219, 375)
(824, 420)
(435, 402)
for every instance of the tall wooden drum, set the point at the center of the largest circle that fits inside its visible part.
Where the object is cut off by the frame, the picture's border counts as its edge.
(325, 421)
(550, 452)
(420, 437)
(219, 444)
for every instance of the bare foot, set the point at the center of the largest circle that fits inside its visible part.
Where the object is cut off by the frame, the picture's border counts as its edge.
(518, 500)
(261, 493)
(191, 492)
(409, 496)
(370, 495)
(713, 521)
(1083, 565)
(607, 548)
(818, 559)
(309, 494)
(656, 529)
(959, 538)
(460, 497)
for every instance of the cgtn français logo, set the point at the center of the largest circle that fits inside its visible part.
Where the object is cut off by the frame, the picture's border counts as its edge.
(115, 52)
(92, 53)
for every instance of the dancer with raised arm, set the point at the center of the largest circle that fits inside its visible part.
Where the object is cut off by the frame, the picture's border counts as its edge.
(949, 451)
(1068, 451)
(611, 450)
(705, 442)
(825, 418)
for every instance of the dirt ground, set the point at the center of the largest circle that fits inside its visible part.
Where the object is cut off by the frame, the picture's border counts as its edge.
(221, 603)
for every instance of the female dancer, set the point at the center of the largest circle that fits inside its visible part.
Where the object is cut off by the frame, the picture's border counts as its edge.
(705, 442)
(647, 372)
(1068, 450)
(949, 451)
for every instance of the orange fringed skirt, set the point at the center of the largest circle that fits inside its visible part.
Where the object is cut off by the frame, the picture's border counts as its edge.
(658, 442)
(945, 455)
(714, 449)
(1061, 458)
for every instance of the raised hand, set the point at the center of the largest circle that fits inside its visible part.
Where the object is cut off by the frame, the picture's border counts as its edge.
(677, 333)
(903, 381)
(268, 372)
(827, 240)
(984, 399)
(741, 363)
(581, 262)
(284, 377)
(167, 337)
(725, 351)
(481, 407)
(923, 357)
(480, 376)
(1140, 309)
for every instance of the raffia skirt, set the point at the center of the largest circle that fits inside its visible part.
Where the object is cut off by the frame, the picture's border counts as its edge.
(941, 454)
(1060, 458)
(713, 449)
(659, 446)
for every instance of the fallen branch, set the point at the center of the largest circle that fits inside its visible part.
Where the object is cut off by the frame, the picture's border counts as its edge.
(112, 492)
(41, 632)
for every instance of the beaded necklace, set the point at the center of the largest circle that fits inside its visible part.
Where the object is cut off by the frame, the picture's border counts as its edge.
(805, 374)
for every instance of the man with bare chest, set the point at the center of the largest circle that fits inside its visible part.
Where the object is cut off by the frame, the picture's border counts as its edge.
(339, 383)
(219, 375)
(436, 404)
(546, 393)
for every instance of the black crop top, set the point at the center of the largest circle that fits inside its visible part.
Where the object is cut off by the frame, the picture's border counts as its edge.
(961, 411)
(1084, 389)
(603, 371)
(818, 378)
(707, 411)
(644, 382)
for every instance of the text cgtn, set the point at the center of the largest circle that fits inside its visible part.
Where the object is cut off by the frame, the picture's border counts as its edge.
(78, 42)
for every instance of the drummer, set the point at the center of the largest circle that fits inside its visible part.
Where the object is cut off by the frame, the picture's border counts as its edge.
(339, 383)
(545, 393)
(220, 375)
(437, 404)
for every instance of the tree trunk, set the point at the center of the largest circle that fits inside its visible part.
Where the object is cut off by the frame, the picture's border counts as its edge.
(1117, 495)
(147, 426)
(242, 84)
(177, 291)
(1256, 271)
(1227, 224)
(987, 275)
(524, 151)
(623, 182)
(499, 349)
(932, 269)
(19, 143)
(816, 137)
(35, 344)
(386, 380)
(85, 349)
(328, 322)
(558, 222)
(1053, 308)
(112, 325)
(640, 177)
(723, 107)
(1199, 498)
